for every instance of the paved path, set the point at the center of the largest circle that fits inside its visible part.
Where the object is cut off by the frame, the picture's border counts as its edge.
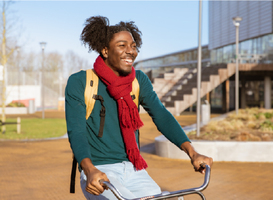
(41, 170)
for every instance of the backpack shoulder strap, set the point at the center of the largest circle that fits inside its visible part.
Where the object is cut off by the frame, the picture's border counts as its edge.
(135, 91)
(73, 175)
(91, 89)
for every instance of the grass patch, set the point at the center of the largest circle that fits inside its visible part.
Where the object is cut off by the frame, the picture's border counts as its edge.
(33, 128)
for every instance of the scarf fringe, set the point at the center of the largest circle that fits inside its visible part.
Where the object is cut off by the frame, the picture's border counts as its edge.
(137, 160)
(125, 115)
(136, 121)
(130, 116)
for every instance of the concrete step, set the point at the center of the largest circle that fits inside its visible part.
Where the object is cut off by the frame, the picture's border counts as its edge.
(185, 89)
(169, 104)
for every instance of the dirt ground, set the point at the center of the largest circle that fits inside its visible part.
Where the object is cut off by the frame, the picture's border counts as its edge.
(41, 170)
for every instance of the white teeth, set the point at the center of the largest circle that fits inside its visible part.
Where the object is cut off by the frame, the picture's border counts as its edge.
(128, 60)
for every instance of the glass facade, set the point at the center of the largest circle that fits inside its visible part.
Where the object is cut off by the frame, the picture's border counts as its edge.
(184, 59)
(216, 97)
(253, 93)
(259, 46)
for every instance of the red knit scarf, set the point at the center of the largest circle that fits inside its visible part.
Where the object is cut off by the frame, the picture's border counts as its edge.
(119, 88)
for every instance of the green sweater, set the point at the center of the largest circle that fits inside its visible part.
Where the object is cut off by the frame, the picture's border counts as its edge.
(109, 149)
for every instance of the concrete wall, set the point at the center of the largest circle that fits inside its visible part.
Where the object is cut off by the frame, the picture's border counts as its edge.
(219, 150)
(15, 110)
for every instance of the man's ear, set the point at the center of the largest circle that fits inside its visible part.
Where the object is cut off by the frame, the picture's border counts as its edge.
(104, 52)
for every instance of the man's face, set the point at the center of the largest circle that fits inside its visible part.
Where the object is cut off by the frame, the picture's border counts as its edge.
(121, 53)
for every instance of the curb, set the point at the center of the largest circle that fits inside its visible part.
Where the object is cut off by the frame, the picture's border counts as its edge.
(35, 140)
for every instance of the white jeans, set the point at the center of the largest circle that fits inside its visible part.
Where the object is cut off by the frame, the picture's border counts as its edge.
(130, 182)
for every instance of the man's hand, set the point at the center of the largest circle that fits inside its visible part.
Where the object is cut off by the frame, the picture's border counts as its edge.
(93, 175)
(196, 158)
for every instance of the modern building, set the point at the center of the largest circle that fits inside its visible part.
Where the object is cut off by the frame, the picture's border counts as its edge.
(218, 64)
(157, 66)
(255, 31)
(255, 46)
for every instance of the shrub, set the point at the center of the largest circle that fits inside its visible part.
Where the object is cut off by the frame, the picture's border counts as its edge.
(213, 126)
(268, 115)
(267, 125)
(251, 124)
(262, 117)
(226, 125)
(15, 104)
(237, 124)
(252, 111)
(238, 127)
(251, 117)
(240, 116)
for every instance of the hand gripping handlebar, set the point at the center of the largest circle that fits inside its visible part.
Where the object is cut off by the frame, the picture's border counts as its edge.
(165, 195)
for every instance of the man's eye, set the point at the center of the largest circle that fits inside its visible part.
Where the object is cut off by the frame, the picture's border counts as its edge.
(122, 45)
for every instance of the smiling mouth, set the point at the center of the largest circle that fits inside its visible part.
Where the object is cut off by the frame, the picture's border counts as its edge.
(128, 61)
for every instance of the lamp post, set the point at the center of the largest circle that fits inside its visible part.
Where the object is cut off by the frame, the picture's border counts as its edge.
(43, 44)
(198, 108)
(18, 68)
(236, 22)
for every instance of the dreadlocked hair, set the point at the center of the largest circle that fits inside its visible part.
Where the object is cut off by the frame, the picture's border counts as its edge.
(97, 33)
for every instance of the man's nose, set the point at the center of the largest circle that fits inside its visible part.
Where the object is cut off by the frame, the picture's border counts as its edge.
(129, 50)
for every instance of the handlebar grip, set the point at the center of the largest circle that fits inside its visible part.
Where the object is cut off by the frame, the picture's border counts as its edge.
(108, 185)
(203, 165)
(102, 182)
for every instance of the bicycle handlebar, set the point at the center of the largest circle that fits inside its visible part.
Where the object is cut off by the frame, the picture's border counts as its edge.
(165, 195)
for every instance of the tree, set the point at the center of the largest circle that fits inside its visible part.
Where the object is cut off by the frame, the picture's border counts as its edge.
(53, 69)
(54, 62)
(29, 62)
(74, 63)
(6, 52)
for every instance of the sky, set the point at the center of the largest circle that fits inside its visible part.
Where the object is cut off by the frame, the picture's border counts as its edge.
(166, 26)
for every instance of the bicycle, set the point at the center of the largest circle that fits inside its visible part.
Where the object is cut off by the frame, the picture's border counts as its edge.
(166, 194)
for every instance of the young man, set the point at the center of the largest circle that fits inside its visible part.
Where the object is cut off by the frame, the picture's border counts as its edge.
(114, 156)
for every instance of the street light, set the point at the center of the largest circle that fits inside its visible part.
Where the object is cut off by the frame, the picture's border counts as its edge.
(236, 22)
(43, 44)
(18, 68)
(199, 66)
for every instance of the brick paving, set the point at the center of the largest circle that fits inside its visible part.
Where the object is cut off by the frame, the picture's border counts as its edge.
(41, 170)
